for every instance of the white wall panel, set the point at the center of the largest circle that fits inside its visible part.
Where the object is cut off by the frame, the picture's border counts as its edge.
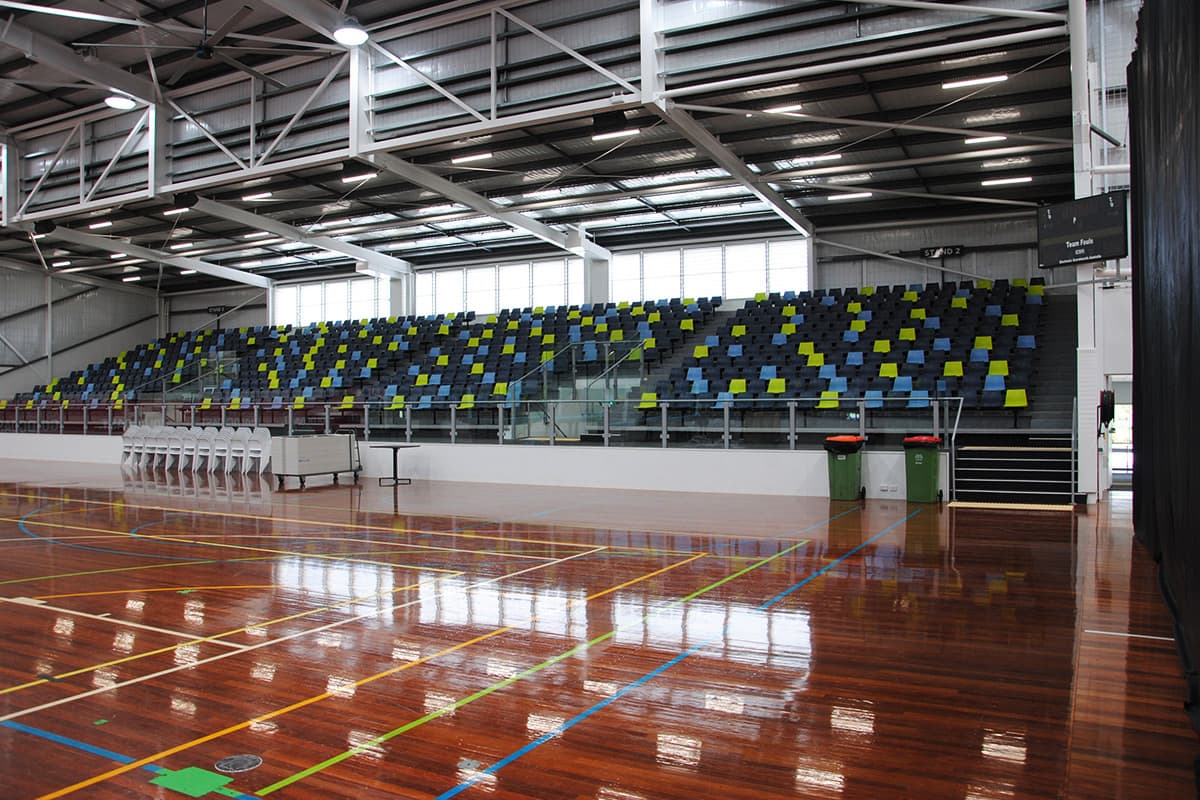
(187, 312)
(802, 473)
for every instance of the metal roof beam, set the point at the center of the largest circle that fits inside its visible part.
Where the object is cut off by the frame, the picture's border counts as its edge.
(428, 179)
(44, 50)
(990, 11)
(374, 259)
(686, 125)
(320, 16)
(137, 251)
(78, 277)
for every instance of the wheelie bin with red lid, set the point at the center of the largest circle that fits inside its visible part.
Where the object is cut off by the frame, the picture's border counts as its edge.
(845, 467)
(921, 469)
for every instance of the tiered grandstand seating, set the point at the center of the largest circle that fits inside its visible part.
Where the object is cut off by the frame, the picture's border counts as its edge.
(906, 344)
(421, 361)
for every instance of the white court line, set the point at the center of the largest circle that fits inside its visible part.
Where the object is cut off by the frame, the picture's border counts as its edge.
(31, 603)
(296, 635)
(1131, 635)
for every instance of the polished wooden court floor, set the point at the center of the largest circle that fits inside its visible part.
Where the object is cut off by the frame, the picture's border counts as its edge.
(486, 641)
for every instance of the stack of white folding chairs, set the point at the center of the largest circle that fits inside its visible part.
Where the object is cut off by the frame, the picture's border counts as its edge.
(182, 448)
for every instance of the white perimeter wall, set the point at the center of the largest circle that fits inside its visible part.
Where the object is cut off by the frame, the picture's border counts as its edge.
(794, 473)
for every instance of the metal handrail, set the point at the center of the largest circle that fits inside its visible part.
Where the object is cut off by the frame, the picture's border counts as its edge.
(669, 421)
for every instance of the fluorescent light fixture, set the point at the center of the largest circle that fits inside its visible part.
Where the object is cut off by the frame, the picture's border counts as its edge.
(180, 246)
(350, 33)
(40, 235)
(611, 125)
(851, 196)
(1006, 181)
(256, 196)
(469, 158)
(804, 161)
(985, 139)
(784, 109)
(63, 263)
(118, 256)
(121, 102)
(174, 212)
(95, 226)
(355, 173)
(975, 82)
(187, 272)
(257, 235)
(600, 137)
(131, 278)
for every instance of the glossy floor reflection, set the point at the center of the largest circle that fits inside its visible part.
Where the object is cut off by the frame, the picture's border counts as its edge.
(487, 641)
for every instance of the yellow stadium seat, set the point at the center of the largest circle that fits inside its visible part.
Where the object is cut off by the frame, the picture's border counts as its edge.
(1015, 398)
(816, 360)
(829, 400)
(908, 334)
(998, 368)
(983, 343)
(737, 386)
(882, 346)
(952, 369)
(700, 351)
(649, 400)
(776, 386)
(889, 369)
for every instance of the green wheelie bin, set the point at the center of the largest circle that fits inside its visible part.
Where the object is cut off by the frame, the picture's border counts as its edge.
(845, 467)
(921, 469)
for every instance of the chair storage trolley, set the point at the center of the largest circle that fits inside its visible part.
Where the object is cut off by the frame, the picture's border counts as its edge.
(323, 454)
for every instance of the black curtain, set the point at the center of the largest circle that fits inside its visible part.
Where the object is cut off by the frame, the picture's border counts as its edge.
(1164, 92)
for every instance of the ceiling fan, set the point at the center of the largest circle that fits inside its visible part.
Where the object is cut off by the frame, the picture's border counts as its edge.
(209, 46)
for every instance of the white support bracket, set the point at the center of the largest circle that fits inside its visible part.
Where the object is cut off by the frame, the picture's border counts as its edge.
(428, 179)
(687, 126)
(374, 259)
(44, 50)
(137, 251)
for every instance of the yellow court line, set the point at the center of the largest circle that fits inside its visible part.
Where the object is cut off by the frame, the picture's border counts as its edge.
(137, 536)
(382, 528)
(202, 640)
(202, 538)
(326, 695)
(298, 634)
(264, 624)
(576, 525)
(137, 568)
(157, 589)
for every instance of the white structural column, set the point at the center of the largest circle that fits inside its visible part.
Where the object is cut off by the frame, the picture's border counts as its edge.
(653, 91)
(361, 95)
(376, 261)
(1089, 362)
(159, 126)
(11, 168)
(137, 251)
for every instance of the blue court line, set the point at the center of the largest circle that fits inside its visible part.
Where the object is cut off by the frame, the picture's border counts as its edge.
(25, 530)
(649, 676)
(98, 751)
